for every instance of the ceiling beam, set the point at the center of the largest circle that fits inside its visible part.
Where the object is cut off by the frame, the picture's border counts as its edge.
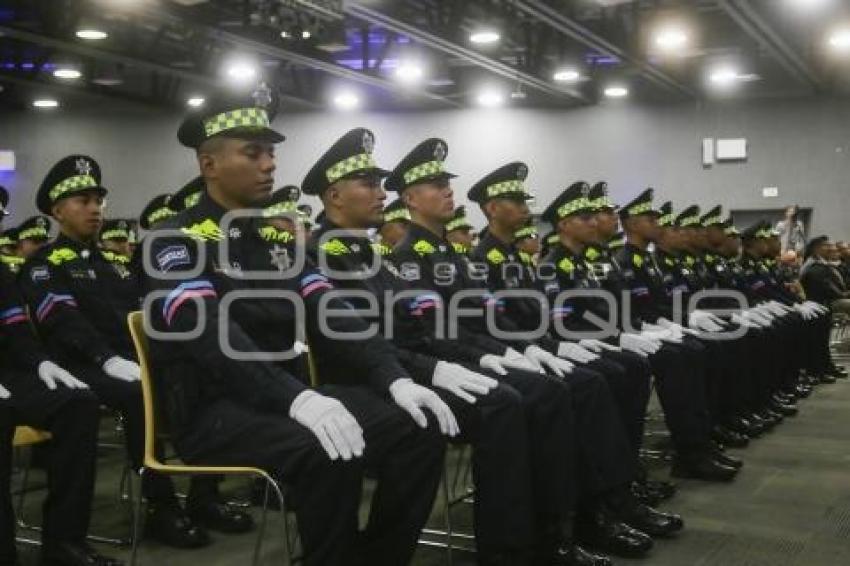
(375, 17)
(162, 15)
(573, 29)
(757, 28)
(108, 56)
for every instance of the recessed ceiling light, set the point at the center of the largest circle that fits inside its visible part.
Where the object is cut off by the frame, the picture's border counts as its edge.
(670, 39)
(306, 34)
(241, 71)
(195, 101)
(566, 76)
(616, 92)
(91, 34)
(840, 40)
(409, 72)
(285, 34)
(484, 37)
(67, 73)
(108, 80)
(45, 103)
(346, 101)
(724, 76)
(490, 99)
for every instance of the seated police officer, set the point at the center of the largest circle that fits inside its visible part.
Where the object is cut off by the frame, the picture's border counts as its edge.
(240, 402)
(80, 300)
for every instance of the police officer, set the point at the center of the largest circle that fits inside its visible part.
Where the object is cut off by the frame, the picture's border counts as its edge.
(115, 241)
(460, 232)
(428, 259)
(527, 242)
(9, 250)
(36, 392)
(510, 512)
(80, 302)
(188, 195)
(284, 222)
(32, 234)
(393, 228)
(156, 211)
(248, 409)
(678, 363)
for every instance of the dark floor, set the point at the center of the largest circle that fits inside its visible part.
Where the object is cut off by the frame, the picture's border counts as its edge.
(789, 506)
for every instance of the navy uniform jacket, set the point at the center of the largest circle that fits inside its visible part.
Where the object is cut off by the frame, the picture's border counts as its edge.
(761, 283)
(79, 301)
(197, 371)
(642, 277)
(18, 344)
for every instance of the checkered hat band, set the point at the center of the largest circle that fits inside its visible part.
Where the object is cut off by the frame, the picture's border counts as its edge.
(527, 232)
(33, 233)
(689, 221)
(504, 187)
(6, 241)
(160, 214)
(400, 214)
(456, 223)
(241, 118)
(617, 243)
(731, 231)
(579, 204)
(602, 202)
(71, 184)
(279, 209)
(712, 221)
(640, 208)
(192, 199)
(423, 170)
(666, 220)
(117, 234)
(350, 165)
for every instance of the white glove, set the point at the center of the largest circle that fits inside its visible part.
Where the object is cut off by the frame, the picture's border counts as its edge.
(597, 345)
(638, 344)
(806, 313)
(713, 317)
(764, 311)
(50, 373)
(514, 359)
(576, 352)
(677, 329)
(701, 320)
(412, 397)
(122, 369)
(742, 321)
(460, 381)
(493, 363)
(775, 308)
(663, 335)
(4, 393)
(547, 360)
(817, 307)
(754, 316)
(329, 420)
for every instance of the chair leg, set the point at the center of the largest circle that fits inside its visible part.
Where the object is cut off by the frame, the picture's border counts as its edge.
(262, 528)
(137, 521)
(25, 476)
(447, 504)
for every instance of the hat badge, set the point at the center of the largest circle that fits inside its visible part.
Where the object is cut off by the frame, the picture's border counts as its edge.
(440, 151)
(41, 222)
(585, 189)
(122, 225)
(522, 172)
(368, 141)
(262, 95)
(82, 166)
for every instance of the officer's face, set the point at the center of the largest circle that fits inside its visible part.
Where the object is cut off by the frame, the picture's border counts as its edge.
(28, 247)
(393, 232)
(242, 170)
(645, 226)
(511, 213)
(432, 200)
(731, 246)
(606, 224)
(359, 202)
(462, 237)
(80, 215)
(530, 246)
(119, 247)
(580, 227)
(714, 236)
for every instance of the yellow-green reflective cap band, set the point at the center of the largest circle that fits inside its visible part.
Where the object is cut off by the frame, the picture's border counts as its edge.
(689, 221)
(504, 187)
(423, 170)
(640, 208)
(76, 183)
(280, 208)
(160, 214)
(6, 241)
(456, 223)
(666, 220)
(526, 232)
(192, 200)
(240, 118)
(581, 203)
(36, 232)
(115, 235)
(602, 202)
(349, 165)
(712, 221)
(400, 214)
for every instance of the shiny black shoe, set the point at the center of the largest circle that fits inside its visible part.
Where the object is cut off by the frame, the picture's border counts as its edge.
(601, 531)
(75, 554)
(763, 421)
(654, 523)
(803, 390)
(729, 438)
(784, 397)
(169, 525)
(837, 371)
(665, 489)
(567, 555)
(645, 494)
(825, 378)
(727, 460)
(221, 517)
(784, 409)
(745, 427)
(772, 417)
(702, 467)
(584, 557)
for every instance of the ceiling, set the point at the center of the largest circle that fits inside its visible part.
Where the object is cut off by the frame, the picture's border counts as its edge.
(161, 52)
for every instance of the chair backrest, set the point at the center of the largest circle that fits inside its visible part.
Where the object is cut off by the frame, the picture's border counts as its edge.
(136, 323)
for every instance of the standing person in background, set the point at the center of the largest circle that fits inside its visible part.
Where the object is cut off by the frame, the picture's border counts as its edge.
(792, 232)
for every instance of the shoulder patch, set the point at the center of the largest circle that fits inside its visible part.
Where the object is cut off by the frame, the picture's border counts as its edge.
(172, 256)
(460, 248)
(61, 255)
(335, 247)
(591, 254)
(669, 261)
(423, 247)
(205, 230)
(566, 265)
(637, 259)
(495, 256)
(272, 234)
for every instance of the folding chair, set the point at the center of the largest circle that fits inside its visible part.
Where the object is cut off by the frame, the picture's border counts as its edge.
(153, 464)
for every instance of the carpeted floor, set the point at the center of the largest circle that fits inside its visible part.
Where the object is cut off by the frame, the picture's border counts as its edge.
(789, 506)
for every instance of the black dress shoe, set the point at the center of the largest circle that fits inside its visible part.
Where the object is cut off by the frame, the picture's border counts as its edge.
(601, 531)
(745, 427)
(566, 555)
(645, 494)
(837, 371)
(772, 417)
(784, 398)
(729, 438)
(654, 523)
(221, 517)
(727, 460)
(75, 554)
(170, 525)
(666, 489)
(702, 467)
(826, 378)
(784, 409)
(803, 390)
(584, 557)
